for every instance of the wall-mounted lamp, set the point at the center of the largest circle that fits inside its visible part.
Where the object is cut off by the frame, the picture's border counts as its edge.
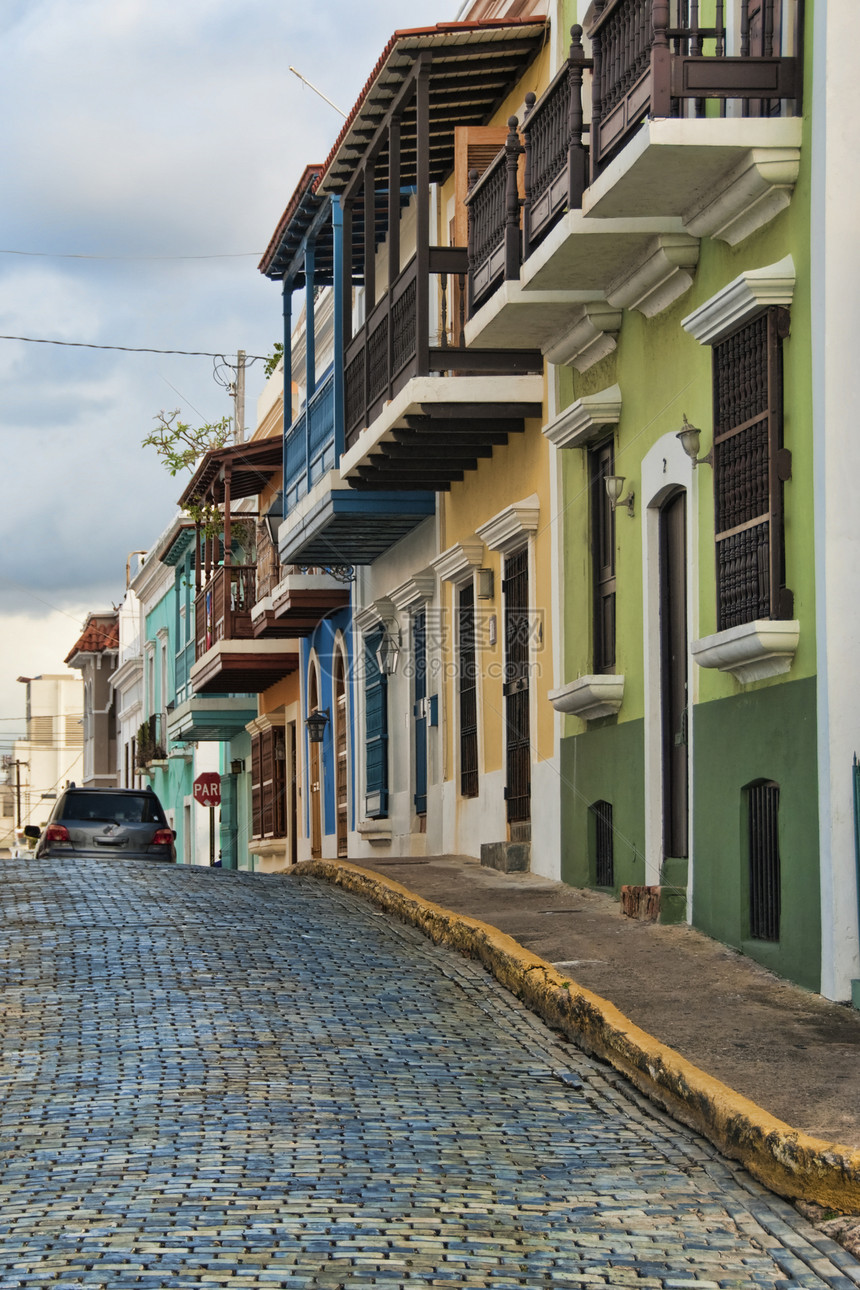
(388, 651)
(486, 583)
(690, 436)
(274, 517)
(614, 488)
(237, 767)
(315, 723)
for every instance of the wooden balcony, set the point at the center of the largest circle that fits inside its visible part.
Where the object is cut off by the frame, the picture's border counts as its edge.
(395, 344)
(573, 221)
(228, 658)
(304, 597)
(682, 124)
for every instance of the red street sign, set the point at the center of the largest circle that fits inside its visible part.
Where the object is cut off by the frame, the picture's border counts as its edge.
(207, 788)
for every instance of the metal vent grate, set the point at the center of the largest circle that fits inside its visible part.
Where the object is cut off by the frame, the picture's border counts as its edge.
(764, 866)
(604, 854)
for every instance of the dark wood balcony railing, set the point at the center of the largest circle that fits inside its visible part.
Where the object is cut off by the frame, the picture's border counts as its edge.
(652, 58)
(556, 159)
(389, 350)
(554, 179)
(222, 610)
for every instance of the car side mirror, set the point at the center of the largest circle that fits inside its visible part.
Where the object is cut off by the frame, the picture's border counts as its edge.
(32, 831)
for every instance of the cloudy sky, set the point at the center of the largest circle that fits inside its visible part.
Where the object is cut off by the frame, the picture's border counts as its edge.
(150, 147)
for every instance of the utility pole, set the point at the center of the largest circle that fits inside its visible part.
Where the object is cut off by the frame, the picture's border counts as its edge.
(239, 399)
(18, 764)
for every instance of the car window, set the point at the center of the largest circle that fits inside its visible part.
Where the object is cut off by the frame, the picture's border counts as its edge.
(125, 808)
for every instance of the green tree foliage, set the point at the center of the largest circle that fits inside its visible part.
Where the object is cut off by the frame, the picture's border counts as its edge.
(179, 445)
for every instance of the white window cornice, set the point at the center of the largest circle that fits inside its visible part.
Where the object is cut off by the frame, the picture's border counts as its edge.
(458, 563)
(744, 297)
(585, 420)
(512, 526)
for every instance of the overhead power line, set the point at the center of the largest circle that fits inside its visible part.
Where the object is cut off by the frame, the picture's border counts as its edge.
(132, 349)
(80, 255)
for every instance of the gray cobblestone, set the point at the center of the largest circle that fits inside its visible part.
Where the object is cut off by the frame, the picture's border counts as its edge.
(215, 1079)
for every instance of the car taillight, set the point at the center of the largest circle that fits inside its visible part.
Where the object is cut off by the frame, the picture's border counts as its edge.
(57, 833)
(162, 838)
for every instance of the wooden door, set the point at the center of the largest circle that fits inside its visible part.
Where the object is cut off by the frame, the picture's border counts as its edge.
(673, 674)
(516, 688)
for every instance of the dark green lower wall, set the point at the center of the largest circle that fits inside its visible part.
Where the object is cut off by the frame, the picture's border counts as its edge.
(604, 764)
(767, 734)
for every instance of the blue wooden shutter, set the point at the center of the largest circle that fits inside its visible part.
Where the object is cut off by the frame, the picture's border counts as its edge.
(376, 731)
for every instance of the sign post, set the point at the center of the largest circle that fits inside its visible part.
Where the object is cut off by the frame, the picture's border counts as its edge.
(207, 791)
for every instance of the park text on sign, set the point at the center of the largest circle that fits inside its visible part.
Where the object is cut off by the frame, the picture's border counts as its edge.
(207, 789)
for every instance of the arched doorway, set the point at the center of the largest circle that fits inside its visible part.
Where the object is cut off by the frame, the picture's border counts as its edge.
(673, 675)
(315, 776)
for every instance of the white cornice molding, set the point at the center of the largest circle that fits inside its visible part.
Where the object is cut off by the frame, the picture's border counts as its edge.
(590, 337)
(745, 296)
(585, 420)
(459, 561)
(660, 277)
(416, 590)
(376, 614)
(509, 529)
(266, 721)
(589, 697)
(760, 186)
(752, 651)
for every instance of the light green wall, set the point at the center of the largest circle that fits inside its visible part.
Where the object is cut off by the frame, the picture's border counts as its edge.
(778, 743)
(606, 765)
(663, 374)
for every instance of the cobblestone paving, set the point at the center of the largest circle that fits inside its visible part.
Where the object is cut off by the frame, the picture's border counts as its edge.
(217, 1079)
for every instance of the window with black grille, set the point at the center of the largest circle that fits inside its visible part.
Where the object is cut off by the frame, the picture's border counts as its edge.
(601, 463)
(764, 864)
(750, 467)
(468, 687)
(602, 844)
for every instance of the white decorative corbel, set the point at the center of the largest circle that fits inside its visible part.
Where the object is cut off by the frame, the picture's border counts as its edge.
(660, 276)
(590, 337)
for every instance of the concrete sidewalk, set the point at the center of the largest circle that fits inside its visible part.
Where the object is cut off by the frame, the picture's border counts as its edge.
(792, 1052)
(766, 1071)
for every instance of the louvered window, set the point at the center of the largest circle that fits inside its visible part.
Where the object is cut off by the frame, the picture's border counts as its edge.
(750, 466)
(268, 783)
(376, 731)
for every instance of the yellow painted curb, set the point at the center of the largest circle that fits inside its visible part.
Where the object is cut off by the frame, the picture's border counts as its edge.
(789, 1162)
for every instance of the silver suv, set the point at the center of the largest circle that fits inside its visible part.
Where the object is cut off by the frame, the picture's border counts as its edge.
(111, 823)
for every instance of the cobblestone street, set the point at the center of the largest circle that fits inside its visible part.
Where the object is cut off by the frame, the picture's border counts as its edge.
(223, 1079)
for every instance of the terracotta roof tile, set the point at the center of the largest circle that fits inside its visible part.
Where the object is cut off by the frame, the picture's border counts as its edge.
(101, 632)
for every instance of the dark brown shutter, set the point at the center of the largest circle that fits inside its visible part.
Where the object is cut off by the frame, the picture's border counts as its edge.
(256, 789)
